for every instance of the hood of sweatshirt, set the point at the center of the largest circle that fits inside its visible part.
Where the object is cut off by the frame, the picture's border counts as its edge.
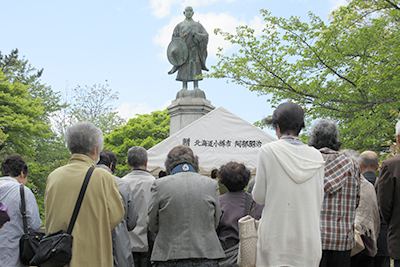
(299, 162)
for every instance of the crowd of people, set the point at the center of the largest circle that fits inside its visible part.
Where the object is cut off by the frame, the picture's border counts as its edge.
(318, 205)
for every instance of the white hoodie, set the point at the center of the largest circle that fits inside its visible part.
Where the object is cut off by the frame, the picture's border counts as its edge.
(290, 182)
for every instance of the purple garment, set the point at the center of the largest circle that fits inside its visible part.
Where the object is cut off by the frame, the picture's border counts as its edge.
(369, 246)
(233, 208)
(4, 216)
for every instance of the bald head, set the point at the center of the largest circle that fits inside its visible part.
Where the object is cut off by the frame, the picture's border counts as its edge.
(369, 161)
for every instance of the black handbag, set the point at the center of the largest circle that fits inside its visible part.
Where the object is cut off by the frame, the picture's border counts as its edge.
(55, 249)
(29, 241)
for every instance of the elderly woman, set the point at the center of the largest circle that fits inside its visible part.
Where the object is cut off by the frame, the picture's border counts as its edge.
(235, 176)
(101, 208)
(184, 211)
(15, 170)
(289, 181)
(342, 192)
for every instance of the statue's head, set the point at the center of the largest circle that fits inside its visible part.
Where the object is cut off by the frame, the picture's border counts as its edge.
(188, 12)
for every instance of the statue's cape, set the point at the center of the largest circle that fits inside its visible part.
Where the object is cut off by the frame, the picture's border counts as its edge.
(177, 52)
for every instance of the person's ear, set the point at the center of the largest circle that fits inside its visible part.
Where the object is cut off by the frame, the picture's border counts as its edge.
(22, 178)
(111, 166)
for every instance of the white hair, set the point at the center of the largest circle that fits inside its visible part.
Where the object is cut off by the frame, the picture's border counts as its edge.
(83, 138)
(398, 128)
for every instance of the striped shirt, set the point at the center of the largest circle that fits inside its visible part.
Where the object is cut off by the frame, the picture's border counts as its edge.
(342, 193)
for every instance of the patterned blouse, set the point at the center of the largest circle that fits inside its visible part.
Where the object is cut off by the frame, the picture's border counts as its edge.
(342, 195)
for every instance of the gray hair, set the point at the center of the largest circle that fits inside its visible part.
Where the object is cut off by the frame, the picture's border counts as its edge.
(179, 155)
(325, 134)
(352, 154)
(398, 128)
(83, 137)
(137, 156)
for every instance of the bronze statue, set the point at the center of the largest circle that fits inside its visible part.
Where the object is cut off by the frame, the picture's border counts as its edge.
(188, 50)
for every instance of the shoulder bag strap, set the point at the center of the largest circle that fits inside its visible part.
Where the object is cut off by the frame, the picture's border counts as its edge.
(247, 205)
(23, 208)
(79, 201)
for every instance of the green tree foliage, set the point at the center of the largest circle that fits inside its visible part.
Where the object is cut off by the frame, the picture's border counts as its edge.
(19, 119)
(25, 108)
(347, 70)
(18, 70)
(52, 153)
(145, 130)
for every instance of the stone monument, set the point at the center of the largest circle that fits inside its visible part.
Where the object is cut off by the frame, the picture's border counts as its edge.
(187, 52)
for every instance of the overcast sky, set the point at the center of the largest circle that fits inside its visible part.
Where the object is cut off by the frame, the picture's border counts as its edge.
(85, 42)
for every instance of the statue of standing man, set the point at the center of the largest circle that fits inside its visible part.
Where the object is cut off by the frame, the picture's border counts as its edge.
(188, 50)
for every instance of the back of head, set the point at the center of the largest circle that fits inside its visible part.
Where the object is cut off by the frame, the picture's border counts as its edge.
(162, 174)
(13, 165)
(325, 134)
(107, 157)
(180, 155)
(137, 157)
(83, 137)
(369, 160)
(289, 117)
(235, 176)
(352, 154)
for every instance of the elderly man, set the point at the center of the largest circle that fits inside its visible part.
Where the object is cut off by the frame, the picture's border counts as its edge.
(342, 195)
(369, 163)
(15, 172)
(184, 211)
(367, 220)
(389, 201)
(140, 181)
(121, 243)
(101, 208)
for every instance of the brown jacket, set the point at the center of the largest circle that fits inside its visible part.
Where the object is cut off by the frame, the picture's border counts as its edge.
(389, 202)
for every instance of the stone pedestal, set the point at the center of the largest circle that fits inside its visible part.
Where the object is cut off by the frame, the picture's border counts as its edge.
(188, 106)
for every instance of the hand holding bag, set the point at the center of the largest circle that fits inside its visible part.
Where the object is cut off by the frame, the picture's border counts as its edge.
(29, 241)
(248, 237)
(55, 249)
(359, 244)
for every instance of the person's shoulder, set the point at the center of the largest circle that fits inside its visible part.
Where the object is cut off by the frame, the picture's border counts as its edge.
(392, 161)
(180, 24)
(59, 169)
(266, 148)
(29, 194)
(208, 181)
(139, 176)
(121, 183)
(103, 174)
(225, 197)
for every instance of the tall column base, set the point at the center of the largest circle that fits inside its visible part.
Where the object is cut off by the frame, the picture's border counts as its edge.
(186, 109)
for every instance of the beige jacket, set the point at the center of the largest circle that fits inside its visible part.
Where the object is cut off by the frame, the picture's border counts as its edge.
(367, 220)
(100, 212)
